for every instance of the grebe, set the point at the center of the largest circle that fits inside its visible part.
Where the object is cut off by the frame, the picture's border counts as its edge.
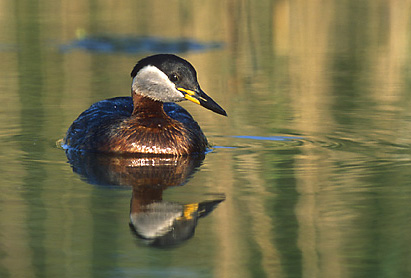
(148, 122)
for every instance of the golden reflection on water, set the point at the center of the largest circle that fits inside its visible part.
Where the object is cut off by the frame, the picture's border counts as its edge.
(318, 68)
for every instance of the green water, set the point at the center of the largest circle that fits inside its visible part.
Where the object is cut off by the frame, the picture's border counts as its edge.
(311, 169)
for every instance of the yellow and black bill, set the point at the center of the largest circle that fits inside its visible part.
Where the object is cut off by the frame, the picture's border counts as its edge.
(203, 99)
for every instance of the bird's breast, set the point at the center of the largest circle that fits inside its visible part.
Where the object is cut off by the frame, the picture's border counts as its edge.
(152, 136)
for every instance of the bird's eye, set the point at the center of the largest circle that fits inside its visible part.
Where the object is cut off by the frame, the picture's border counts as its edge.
(174, 77)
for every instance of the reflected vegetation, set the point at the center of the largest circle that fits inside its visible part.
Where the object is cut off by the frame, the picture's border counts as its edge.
(335, 203)
(157, 222)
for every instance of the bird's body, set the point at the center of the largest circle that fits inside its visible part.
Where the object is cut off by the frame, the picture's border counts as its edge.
(107, 126)
(148, 122)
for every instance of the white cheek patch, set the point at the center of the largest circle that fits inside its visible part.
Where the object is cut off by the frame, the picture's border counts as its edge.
(152, 82)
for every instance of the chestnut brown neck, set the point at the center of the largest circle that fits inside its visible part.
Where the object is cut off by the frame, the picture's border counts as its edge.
(145, 107)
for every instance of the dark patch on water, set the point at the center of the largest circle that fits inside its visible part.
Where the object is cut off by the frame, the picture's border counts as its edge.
(269, 138)
(137, 44)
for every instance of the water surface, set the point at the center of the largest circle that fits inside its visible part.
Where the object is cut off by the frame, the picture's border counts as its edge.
(310, 173)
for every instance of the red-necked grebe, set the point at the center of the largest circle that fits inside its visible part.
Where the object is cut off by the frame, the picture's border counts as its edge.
(148, 122)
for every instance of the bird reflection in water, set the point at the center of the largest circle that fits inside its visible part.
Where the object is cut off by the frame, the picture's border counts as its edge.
(155, 221)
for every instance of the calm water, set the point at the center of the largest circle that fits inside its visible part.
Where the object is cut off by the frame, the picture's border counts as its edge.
(310, 175)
